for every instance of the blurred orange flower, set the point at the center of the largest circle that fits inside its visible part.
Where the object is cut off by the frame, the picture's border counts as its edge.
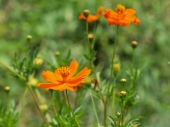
(91, 18)
(121, 17)
(63, 78)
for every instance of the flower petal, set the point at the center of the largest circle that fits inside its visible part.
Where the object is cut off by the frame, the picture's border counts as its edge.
(130, 11)
(51, 77)
(64, 87)
(46, 85)
(136, 21)
(124, 22)
(80, 75)
(73, 68)
(82, 17)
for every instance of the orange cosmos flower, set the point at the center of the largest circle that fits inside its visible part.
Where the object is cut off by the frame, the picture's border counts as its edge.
(122, 16)
(63, 78)
(91, 18)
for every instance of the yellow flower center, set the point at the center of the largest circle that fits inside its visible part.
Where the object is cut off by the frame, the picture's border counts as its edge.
(120, 9)
(64, 71)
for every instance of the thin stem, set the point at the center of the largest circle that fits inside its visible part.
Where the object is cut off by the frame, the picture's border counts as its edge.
(94, 34)
(87, 32)
(11, 70)
(110, 79)
(71, 110)
(113, 57)
(52, 99)
(36, 102)
(94, 107)
(122, 110)
(22, 101)
(132, 69)
(31, 91)
(113, 100)
(105, 113)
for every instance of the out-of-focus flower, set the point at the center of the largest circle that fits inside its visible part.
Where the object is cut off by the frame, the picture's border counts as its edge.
(121, 17)
(91, 18)
(63, 78)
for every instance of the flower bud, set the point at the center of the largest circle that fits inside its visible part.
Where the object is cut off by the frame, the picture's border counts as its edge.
(38, 61)
(57, 53)
(43, 107)
(134, 44)
(32, 81)
(123, 94)
(118, 114)
(7, 89)
(123, 81)
(87, 80)
(29, 38)
(90, 37)
(116, 68)
(86, 13)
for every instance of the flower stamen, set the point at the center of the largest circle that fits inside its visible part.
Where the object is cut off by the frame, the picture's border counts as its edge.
(120, 9)
(64, 71)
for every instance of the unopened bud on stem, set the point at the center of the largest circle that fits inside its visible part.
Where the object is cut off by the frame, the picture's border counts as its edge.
(134, 44)
(86, 13)
(29, 38)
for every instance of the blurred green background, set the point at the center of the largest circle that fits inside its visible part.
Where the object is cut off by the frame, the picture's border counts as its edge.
(54, 25)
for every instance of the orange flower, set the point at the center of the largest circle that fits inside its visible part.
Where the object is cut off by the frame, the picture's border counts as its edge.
(91, 18)
(63, 78)
(121, 17)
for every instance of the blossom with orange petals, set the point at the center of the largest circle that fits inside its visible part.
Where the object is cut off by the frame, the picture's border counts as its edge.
(63, 78)
(121, 17)
(91, 18)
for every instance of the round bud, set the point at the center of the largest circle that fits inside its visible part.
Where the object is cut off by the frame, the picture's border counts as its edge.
(118, 114)
(86, 13)
(43, 107)
(116, 68)
(134, 44)
(29, 38)
(123, 81)
(123, 94)
(57, 53)
(37, 62)
(7, 89)
(90, 37)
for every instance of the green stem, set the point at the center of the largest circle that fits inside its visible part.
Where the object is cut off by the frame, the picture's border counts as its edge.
(132, 70)
(31, 91)
(94, 107)
(11, 70)
(52, 99)
(36, 102)
(22, 101)
(122, 111)
(110, 79)
(71, 110)
(113, 99)
(87, 32)
(94, 34)
(113, 57)
(105, 113)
